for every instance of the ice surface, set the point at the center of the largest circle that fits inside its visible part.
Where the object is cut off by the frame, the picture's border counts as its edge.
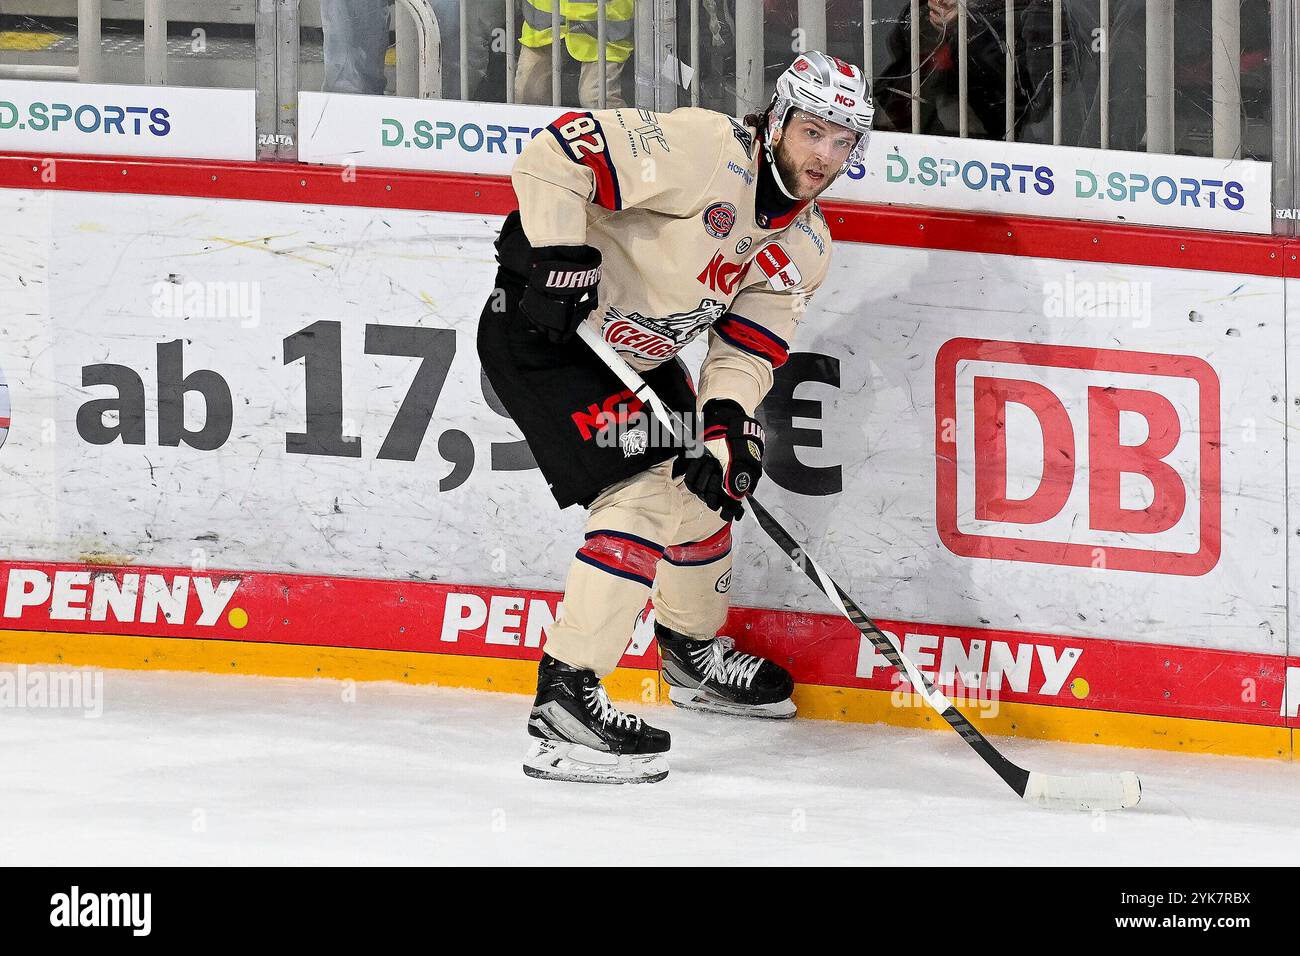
(217, 769)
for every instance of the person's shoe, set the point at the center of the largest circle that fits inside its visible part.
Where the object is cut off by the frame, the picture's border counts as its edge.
(713, 676)
(581, 737)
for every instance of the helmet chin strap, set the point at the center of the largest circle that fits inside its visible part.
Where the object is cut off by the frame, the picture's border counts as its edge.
(776, 173)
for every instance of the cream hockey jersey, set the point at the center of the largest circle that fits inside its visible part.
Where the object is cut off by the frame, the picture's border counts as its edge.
(668, 199)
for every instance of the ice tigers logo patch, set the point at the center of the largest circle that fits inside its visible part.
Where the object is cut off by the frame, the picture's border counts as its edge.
(634, 443)
(656, 338)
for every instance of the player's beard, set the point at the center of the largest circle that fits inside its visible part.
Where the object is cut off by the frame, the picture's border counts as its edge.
(790, 175)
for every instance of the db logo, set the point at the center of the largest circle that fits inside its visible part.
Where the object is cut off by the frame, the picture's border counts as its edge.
(1077, 456)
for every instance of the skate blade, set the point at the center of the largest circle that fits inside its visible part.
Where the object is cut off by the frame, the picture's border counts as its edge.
(574, 763)
(702, 700)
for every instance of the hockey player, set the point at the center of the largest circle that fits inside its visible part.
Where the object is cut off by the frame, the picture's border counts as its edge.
(654, 228)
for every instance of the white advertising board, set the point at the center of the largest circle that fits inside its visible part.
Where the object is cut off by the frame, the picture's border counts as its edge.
(387, 131)
(1021, 443)
(184, 122)
(1066, 182)
(938, 171)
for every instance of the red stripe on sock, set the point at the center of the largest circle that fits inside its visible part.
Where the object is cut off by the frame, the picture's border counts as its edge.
(622, 554)
(699, 552)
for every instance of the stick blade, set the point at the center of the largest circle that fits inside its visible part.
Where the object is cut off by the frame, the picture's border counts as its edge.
(1097, 791)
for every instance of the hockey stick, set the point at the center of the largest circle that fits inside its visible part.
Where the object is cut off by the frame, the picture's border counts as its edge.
(1089, 792)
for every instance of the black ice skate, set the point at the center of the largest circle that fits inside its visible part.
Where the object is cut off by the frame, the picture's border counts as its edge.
(713, 676)
(584, 738)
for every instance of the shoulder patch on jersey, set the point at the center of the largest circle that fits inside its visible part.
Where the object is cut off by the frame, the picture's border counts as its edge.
(718, 219)
(775, 263)
(743, 136)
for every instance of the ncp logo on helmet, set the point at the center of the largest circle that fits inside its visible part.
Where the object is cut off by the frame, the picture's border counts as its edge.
(818, 123)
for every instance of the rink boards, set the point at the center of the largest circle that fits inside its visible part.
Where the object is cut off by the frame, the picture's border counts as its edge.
(252, 435)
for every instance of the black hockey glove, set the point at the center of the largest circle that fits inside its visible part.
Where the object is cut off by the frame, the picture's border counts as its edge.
(561, 289)
(727, 474)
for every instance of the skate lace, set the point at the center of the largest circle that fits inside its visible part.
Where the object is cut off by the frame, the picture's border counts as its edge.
(720, 661)
(607, 713)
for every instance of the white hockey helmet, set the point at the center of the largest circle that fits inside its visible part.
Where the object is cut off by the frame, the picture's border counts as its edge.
(829, 88)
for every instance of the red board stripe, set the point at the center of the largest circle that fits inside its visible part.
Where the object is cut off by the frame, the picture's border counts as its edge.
(493, 195)
(269, 182)
(1040, 237)
(1088, 673)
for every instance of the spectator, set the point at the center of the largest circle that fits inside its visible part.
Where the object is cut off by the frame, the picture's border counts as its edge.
(578, 30)
(483, 17)
(357, 38)
(986, 52)
(356, 41)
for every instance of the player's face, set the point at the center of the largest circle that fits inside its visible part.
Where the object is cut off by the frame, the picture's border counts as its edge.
(809, 153)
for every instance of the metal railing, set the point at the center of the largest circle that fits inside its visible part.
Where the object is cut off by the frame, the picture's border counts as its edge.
(662, 75)
(89, 61)
(1160, 76)
(670, 70)
(89, 68)
(279, 30)
(1285, 28)
(419, 49)
(155, 42)
(419, 52)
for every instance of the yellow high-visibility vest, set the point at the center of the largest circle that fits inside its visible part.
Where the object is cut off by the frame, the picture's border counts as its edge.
(578, 28)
